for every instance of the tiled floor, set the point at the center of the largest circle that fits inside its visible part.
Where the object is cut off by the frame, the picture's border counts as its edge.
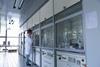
(12, 60)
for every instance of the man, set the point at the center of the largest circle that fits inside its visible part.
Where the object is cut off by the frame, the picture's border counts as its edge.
(28, 46)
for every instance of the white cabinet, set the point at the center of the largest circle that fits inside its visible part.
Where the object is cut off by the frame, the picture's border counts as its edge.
(30, 23)
(59, 5)
(35, 18)
(46, 11)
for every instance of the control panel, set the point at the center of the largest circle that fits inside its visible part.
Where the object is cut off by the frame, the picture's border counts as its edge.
(47, 58)
(66, 59)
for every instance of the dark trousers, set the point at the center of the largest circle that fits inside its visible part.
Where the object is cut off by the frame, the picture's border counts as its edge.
(27, 59)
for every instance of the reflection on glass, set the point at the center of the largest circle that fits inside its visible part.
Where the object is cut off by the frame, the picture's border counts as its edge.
(69, 33)
(36, 38)
(47, 37)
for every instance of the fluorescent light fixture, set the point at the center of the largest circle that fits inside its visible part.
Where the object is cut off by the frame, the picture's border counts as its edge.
(14, 6)
(20, 4)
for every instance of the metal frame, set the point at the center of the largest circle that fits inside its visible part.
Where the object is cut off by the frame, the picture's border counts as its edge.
(71, 50)
(68, 17)
(55, 38)
(51, 24)
(36, 30)
(40, 45)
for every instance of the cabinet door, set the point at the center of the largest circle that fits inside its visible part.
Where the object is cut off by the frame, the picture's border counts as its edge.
(36, 18)
(46, 11)
(60, 5)
(30, 23)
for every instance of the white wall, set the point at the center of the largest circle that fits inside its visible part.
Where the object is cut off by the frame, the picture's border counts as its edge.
(91, 15)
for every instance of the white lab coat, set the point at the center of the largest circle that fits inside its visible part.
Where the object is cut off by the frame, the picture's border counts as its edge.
(28, 45)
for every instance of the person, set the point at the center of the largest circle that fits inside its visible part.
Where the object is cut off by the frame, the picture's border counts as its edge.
(28, 46)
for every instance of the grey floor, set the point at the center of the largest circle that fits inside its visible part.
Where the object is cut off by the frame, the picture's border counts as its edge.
(12, 60)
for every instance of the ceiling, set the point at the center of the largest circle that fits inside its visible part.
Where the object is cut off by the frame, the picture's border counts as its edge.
(28, 8)
(7, 11)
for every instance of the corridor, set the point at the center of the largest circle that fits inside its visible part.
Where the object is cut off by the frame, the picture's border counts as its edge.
(12, 60)
(50, 33)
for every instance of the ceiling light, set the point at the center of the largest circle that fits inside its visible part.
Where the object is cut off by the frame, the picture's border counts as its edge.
(20, 4)
(14, 6)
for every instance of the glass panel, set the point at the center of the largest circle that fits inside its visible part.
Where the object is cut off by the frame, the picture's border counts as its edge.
(36, 38)
(69, 33)
(47, 37)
